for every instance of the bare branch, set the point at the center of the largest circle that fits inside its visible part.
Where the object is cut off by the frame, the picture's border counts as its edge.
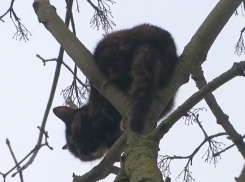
(102, 12)
(241, 177)
(74, 93)
(21, 30)
(36, 148)
(39, 144)
(221, 117)
(225, 149)
(194, 54)
(236, 70)
(74, 83)
(190, 117)
(55, 59)
(68, 93)
(239, 46)
(15, 160)
(214, 146)
(79, 53)
(165, 161)
(9, 10)
(77, 6)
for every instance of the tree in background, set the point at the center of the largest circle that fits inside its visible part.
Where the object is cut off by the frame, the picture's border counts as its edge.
(144, 166)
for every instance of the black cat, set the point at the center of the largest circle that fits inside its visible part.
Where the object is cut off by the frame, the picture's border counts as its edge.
(88, 138)
(139, 61)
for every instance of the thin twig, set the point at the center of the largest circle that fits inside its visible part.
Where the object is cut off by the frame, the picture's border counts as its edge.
(21, 30)
(45, 133)
(50, 100)
(15, 160)
(29, 154)
(69, 69)
(165, 161)
(214, 146)
(221, 117)
(225, 149)
(8, 10)
(102, 12)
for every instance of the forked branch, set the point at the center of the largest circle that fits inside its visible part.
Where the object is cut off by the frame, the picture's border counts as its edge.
(236, 70)
(221, 118)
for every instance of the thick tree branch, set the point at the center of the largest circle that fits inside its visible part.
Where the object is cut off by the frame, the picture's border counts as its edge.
(79, 53)
(221, 117)
(241, 178)
(194, 54)
(196, 50)
(121, 176)
(140, 161)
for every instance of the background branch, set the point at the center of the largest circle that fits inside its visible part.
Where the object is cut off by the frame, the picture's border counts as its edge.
(50, 100)
(225, 149)
(213, 146)
(64, 64)
(21, 31)
(15, 160)
(221, 118)
(45, 133)
(236, 70)
(79, 54)
(102, 14)
(165, 161)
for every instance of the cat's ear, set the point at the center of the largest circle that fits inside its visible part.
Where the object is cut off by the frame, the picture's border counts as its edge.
(66, 114)
(65, 147)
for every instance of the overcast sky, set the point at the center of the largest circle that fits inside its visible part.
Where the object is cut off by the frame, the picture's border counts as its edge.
(26, 84)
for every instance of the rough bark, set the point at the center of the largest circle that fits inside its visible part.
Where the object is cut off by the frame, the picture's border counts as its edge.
(139, 160)
(241, 177)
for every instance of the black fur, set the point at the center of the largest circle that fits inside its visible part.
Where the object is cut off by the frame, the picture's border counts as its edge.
(139, 61)
(86, 139)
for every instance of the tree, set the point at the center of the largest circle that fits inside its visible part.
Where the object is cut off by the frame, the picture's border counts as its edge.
(192, 57)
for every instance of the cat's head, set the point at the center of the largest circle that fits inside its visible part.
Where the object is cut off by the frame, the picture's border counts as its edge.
(83, 135)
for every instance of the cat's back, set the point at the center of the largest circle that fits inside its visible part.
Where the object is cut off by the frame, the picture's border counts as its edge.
(127, 40)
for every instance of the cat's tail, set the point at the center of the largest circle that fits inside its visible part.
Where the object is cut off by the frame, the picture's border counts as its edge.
(145, 71)
(141, 106)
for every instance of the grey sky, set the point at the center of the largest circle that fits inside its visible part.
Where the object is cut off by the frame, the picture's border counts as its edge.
(26, 83)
